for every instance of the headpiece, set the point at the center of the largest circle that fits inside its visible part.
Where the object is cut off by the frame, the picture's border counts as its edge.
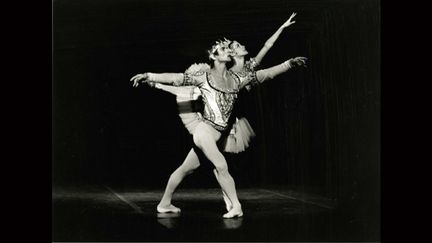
(225, 43)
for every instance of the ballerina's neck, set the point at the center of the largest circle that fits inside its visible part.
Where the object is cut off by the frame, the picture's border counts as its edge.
(238, 63)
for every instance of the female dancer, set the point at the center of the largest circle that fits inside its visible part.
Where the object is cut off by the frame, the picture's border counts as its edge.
(219, 88)
(240, 134)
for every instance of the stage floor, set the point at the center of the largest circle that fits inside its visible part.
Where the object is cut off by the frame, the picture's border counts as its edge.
(106, 213)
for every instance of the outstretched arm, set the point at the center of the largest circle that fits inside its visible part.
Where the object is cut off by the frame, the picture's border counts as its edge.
(270, 73)
(269, 43)
(165, 78)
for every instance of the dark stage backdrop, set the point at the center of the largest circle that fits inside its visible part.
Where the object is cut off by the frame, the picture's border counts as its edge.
(317, 127)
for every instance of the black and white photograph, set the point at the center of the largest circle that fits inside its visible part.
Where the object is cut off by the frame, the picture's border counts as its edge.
(216, 121)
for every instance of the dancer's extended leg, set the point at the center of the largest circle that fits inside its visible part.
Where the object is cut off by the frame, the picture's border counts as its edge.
(189, 165)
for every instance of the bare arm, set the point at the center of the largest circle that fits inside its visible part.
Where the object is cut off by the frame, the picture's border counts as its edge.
(165, 78)
(269, 73)
(269, 43)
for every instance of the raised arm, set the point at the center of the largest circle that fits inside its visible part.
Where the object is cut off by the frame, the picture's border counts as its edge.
(165, 78)
(269, 73)
(269, 43)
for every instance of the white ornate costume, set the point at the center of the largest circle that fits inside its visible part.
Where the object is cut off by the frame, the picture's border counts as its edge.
(218, 102)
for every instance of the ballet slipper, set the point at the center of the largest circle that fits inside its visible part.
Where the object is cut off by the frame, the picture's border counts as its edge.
(234, 213)
(170, 209)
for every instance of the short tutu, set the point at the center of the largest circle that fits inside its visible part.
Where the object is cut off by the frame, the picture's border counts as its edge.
(239, 137)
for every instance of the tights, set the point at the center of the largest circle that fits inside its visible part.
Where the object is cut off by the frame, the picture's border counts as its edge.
(205, 138)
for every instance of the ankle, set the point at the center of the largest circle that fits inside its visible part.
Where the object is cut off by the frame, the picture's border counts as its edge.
(236, 206)
(164, 204)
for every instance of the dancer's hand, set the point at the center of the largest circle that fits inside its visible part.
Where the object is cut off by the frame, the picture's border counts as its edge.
(298, 61)
(289, 22)
(139, 78)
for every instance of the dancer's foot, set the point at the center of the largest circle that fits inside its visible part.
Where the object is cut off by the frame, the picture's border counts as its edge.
(235, 212)
(228, 204)
(168, 209)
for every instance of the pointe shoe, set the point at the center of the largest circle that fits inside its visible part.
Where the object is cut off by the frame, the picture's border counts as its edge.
(169, 209)
(233, 214)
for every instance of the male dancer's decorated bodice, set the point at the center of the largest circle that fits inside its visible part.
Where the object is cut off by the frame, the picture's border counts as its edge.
(218, 102)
